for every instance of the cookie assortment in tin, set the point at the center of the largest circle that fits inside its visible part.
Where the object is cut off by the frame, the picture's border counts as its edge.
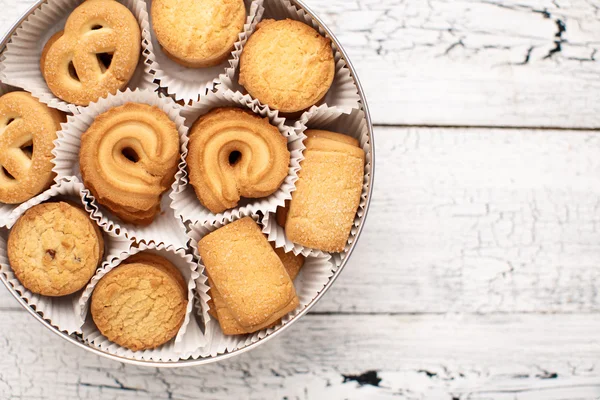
(197, 178)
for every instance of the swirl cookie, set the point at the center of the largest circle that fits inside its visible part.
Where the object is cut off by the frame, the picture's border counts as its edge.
(96, 54)
(197, 33)
(128, 158)
(27, 131)
(287, 65)
(234, 153)
(324, 205)
(140, 304)
(248, 275)
(54, 249)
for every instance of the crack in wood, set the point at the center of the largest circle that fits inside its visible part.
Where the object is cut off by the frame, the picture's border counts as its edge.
(366, 378)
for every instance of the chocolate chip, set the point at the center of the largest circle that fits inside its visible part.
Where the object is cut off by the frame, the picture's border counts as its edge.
(51, 253)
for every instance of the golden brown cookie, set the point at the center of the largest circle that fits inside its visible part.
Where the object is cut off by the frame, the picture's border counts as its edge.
(248, 275)
(198, 33)
(128, 159)
(234, 153)
(292, 263)
(287, 65)
(328, 190)
(140, 304)
(55, 248)
(27, 131)
(96, 54)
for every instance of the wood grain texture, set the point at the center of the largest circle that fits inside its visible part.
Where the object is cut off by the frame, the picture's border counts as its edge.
(465, 62)
(474, 62)
(476, 275)
(414, 357)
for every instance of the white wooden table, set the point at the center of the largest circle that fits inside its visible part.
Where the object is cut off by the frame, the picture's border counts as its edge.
(478, 273)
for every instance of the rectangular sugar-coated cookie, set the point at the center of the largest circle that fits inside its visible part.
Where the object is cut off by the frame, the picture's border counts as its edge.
(328, 191)
(218, 309)
(248, 274)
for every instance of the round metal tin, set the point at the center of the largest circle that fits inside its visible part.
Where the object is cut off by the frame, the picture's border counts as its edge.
(191, 362)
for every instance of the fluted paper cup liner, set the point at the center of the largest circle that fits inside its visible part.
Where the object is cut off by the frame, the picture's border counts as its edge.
(166, 228)
(276, 234)
(189, 338)
(61, 312)
(351, 123)
(188, 84)
(343, 92)
(21, 64)
(186, 203)
(313, 277)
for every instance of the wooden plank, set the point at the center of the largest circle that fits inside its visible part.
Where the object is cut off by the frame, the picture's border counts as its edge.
(473, 62)
(465, 62)
(476, 220)
(414, 357)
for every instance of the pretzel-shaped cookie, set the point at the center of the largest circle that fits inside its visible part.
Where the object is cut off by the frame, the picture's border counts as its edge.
(234, 153)
(96, 54)
(27, 131)
(128, 158)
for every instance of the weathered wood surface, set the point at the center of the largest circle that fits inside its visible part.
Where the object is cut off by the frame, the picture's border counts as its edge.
(325, 357)
(476, 276)
(465, 62)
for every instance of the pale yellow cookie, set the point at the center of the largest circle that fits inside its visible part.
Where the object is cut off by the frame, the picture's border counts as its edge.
(140, 304)
(287, 65)
(198, 33)
(327, 196)
(246, 271)
(55, 248)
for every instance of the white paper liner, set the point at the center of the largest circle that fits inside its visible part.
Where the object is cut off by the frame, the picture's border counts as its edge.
(343, 92)
(166, 228)
(313, 277)
(353, 124)
(61, 312)
(186, 203)
(189, 338)
(21, 64)
(188, 84)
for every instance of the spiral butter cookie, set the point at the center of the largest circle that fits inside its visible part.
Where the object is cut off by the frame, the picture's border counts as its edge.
(27, 131)
(197, 33)
(287, 65)
(140, 304)
(54, 249)
(96, 54)
(234, 153)
(128, 158)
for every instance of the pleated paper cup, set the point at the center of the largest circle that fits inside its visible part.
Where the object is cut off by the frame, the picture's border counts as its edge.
(188, 84)
(343, 93)
(61, 312)
(166, 228)
(352, 123)
(21, 64)
(186, 203)
(311, 280)
(189, 338)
